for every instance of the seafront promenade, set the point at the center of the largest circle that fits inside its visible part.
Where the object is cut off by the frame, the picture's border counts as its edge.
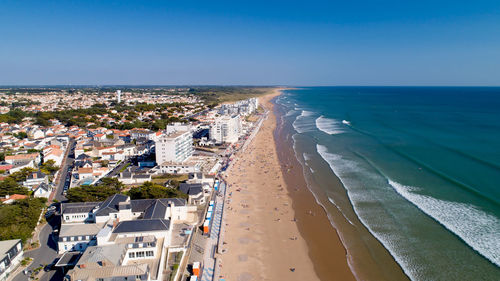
(209, 258)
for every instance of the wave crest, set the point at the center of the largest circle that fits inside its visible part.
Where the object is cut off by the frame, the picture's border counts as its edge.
(329, 126)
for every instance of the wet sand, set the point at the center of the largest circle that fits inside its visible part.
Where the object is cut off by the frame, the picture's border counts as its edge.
(367, 258)
(262, 236)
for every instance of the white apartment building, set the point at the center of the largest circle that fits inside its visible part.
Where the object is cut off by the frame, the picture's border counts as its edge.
(91, 223)
(11, 254)
(178, 127)
(124, 239)
(226, 129)
(175, 147)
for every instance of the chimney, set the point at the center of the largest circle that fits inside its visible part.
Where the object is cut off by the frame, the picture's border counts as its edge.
(115, 223)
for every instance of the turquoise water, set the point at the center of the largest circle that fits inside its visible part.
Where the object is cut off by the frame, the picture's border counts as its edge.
(420, 167)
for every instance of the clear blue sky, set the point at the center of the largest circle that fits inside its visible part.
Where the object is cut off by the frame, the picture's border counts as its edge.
(250, 42)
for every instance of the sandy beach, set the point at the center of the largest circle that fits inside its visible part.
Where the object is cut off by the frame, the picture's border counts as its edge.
(262, 238)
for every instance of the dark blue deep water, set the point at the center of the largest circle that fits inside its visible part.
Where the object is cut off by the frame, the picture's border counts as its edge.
(420, 166)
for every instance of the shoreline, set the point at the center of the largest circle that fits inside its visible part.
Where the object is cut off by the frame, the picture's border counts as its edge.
(264, 237)
(365, 256)
(325, 247)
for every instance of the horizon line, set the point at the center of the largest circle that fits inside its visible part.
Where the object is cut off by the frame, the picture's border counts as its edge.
(220, 85)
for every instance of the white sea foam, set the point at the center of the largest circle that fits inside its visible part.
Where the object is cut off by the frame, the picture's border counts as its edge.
(336, 206)
(478, 229)
(307, 156)
(329, 126)
(303, 123)
(345, 122)
(290, 113)
(306, 113)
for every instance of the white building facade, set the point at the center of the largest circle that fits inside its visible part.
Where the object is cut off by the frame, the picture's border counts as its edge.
(226, 129)
(175, 147)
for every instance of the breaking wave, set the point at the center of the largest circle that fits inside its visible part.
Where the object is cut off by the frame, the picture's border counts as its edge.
(329, 126)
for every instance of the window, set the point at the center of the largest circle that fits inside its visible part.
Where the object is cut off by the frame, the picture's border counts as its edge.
(131, 255)
(67, 218)
(87, 237)
(149, 254)
(72, 238)
(140, 254)
(65, 239)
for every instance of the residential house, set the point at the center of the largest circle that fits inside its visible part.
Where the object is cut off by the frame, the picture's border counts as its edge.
(42, 190)
(195, 193)
(36, 178)
(9, 199)
(23, 158)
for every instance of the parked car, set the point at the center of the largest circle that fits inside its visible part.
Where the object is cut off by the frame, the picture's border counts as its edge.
(49, 214)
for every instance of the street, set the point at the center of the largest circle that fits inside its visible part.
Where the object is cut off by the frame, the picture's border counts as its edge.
(70, 159)
(44, 255)
(116, 170)
(47, 252)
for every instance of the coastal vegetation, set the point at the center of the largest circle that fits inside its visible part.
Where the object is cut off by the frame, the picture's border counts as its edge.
(93, 193)
(110, 186)
(11, 184)
(19, 219)
(213, 95)
(150, 190)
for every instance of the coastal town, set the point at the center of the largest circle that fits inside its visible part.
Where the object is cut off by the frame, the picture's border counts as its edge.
(117, 184)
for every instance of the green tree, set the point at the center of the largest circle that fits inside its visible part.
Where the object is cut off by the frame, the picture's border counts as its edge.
(9, 186)
(18, 220)
(21, 135)
(107, 187)
(22, 175)
(149, 190)
(49, 167)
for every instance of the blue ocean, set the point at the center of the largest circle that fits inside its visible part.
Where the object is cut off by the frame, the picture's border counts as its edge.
(419, 169)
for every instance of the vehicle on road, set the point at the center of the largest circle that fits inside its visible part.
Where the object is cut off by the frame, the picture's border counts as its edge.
(49, 214)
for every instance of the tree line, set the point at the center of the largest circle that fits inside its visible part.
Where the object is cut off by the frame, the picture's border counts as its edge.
(111, 186)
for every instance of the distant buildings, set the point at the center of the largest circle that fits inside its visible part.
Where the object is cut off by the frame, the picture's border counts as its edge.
(119, 96)
(243, 108)
(137, 134)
